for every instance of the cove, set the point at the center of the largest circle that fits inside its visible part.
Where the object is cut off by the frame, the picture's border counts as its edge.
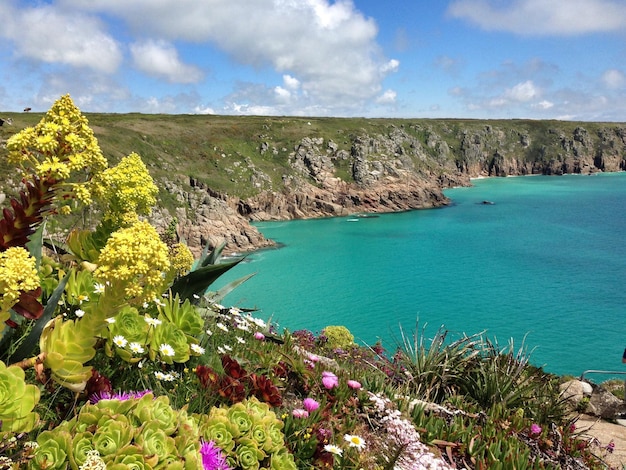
(544, 266)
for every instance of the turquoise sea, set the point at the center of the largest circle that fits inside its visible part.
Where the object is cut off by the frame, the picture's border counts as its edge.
(544, 265)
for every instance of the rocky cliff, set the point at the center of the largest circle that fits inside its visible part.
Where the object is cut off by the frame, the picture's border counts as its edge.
(217, 174)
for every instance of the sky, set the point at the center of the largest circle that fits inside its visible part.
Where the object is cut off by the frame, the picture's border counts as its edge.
(483, 59)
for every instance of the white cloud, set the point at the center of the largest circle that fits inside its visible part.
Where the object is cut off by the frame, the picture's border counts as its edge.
(51, 35)
(329, 47)
(614, 79)
(541, 17)
(291, 82)
(524, 91)
(544, 104)
(160, 58)
(388, 97)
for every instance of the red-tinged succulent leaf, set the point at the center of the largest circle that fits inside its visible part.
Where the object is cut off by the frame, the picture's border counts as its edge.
(208, 377)
(232, 368)
(265, 390)
(28, 305)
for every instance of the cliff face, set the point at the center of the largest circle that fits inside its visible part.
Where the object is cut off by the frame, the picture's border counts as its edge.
(218, 173)
(408, 167)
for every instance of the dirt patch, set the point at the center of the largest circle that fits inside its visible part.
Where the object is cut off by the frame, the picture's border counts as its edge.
(602, 433)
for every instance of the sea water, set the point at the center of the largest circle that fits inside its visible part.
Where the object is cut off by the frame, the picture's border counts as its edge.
(543, 266)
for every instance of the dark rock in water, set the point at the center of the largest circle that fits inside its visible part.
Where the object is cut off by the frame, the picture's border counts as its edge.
(487, 203)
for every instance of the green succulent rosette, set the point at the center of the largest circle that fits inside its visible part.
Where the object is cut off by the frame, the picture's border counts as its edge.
(158, 409)
(53, 450)
(130, 457)
(282, 460)
(183, 315)
(82, 443)
(112, 435)
(168, 334)
(248, 454)
(17, 400)
(218, 429)
(154, 441)
(131, 326)
(239, 416)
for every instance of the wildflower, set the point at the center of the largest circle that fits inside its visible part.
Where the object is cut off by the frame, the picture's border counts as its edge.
(158, 302)
(212, 457)
(17, 274)
(93, 461)
(136, 348)
(120, 341)
(535, 429)
(209, 332)
(110, 320)
(333, 449)
(152, 321)
(197, 348)
(300, 413)
(354, 441)
(260, 336)
(353, 384)
(228, 348)
(169, 377)
(310, 404)
(167, 350)
(257, 321)
(98, 288)
(159, 375)
(134, 258)
(221, 350)
(313, 358)
(222, 327)
(329, 380)
(240, 340)
(243, 326)
(79, 313)
(610, 447)
(234, 311)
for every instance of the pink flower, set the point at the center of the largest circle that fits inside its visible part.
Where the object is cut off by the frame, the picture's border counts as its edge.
(313, 357)
(260, 336)
(329, 380)
(300, 413)
(353, 384)
(535, 429)
(310, 404)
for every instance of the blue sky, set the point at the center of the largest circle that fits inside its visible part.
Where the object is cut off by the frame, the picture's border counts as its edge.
(539, 59)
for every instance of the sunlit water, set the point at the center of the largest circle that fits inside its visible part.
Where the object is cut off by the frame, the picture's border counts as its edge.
(544, 265)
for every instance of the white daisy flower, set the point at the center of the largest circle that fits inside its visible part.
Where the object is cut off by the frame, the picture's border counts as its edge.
(221, 350)
(159, 375)
(227, 348)
(159, 302)
(333, 449)
(241, 340)
(98, 288)
(209, 332)
(152, 321)
(221, 326)
(110, 320)
(354, 441)
(136, 348)
(166, 350)
(120, 341)
(79, 313)
(197, 348)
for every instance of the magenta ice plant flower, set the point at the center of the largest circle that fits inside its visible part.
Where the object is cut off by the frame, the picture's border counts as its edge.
(310, 404)
(212, 457)
(300, 413)
(535, 429)
(353, 384)
(260, 336)
(329, 380)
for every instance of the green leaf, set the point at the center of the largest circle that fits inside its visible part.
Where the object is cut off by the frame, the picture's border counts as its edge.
(197, 282)
(219, 295)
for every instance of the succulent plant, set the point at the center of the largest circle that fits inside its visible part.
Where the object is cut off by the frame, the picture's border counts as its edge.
(17, 400)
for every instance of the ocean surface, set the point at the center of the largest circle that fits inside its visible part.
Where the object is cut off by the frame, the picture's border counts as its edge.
(544, 266)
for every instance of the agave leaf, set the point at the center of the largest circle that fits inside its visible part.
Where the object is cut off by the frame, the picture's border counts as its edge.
(35, 244)
(214, 256)
(196, 282)
(219, 295)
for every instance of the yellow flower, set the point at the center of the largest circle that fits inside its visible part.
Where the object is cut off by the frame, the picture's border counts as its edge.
(126, 188)
(181, 259)
(17, 274)
(134, 259)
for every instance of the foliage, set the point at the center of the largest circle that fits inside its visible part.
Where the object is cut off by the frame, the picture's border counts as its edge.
(338, 336)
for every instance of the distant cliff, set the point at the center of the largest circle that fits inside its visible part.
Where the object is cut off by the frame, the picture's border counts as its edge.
(218, 173)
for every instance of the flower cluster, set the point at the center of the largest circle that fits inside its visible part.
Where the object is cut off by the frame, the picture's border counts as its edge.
(403, 440)
(17, 275)
(249, 434)
(181, 259)
(60, 145)
(126, 191)
(134, 259)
